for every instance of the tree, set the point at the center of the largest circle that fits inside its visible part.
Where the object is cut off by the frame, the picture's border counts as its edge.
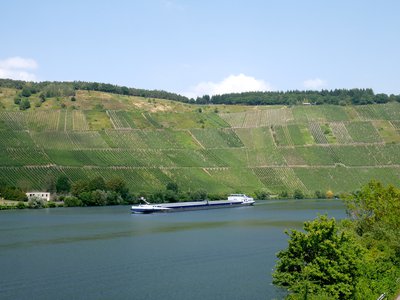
(113, 198)
(26, 92)
(298, 194)
(86, 198)
(170, 196)
(42, 97)
(283, 194)
(24, 104)
(118, 185)
(72, 201)
(200, 194)
(12, 193)
(79, 187)
(50, 184)
(262, 195)
(329, 194)
(98, 197)
(319, 195)
(375, 206)
(62, 184)
(374, 211)
(172, 186)
(321, 261)
(97, 183)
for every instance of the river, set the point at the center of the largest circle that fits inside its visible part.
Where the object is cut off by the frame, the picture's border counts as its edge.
(108, 253)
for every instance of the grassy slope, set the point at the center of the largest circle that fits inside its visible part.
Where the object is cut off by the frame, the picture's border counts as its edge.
(151, 142)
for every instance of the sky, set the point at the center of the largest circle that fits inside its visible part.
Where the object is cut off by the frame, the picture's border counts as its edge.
(205, 47)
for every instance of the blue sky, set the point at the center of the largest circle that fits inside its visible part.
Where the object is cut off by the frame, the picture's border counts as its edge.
(205, 47)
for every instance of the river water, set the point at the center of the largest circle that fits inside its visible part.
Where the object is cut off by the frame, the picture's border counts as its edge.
(108, 253)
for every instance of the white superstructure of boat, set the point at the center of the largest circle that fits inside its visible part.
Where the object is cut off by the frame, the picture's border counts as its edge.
(147, 208)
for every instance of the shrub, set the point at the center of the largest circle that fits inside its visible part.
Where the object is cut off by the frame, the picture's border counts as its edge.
(51, 204)
(97, 183)
(113, 198)
(118, 185)
(170, 196)
(320, 260)
(13, 193)
(35, 202)
(298, 194)
(20, 205)
(172, 186)
(284, 195)
(26, 92)
(24, 104)
(198, 195)
(319, 195)
(329, 194)
(262, 195)
(71, 201)
(42, 97)
(157, 197)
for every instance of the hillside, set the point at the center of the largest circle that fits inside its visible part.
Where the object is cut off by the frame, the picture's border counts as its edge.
(150, 142)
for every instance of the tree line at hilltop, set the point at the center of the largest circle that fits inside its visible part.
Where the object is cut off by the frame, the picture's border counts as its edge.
(295, 97)
(65, 89)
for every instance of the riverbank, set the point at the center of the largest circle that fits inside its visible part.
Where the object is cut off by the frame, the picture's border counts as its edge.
(9, 204)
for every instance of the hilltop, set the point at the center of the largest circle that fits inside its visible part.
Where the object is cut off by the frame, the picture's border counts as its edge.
(221, 148)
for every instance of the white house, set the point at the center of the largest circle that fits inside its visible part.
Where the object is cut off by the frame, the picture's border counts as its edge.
(40, 195)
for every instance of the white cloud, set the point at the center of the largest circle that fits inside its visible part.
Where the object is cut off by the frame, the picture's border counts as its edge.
(231, 84)
(314, 84)
(172, 5)
(18, 68)
(18, 63)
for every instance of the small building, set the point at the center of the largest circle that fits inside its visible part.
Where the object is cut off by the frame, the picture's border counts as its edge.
(40, 195)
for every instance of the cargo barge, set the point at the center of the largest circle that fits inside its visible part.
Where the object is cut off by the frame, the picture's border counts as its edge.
(234, 200)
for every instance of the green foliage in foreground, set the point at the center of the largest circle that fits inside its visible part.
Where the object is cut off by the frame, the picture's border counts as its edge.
(358, 258)
(319, 260)
(375, 220)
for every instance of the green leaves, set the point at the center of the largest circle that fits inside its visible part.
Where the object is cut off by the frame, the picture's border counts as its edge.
(375, 206)
(319, 260)
(359, 259)
(375, 212)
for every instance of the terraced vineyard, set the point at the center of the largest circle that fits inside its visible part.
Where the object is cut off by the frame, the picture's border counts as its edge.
(223, 149)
